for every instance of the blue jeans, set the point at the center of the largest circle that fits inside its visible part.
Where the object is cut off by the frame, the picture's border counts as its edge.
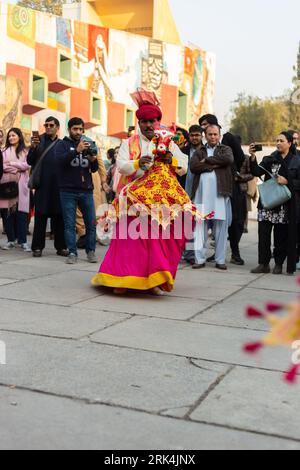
(15, 224)
(69, 204)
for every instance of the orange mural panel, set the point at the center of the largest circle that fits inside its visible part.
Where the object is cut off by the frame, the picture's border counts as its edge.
(80, 104)
(169, 104)
(46, 60)
(22, 73)
(115, 118)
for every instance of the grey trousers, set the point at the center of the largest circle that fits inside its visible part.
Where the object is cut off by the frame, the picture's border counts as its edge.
(220, 231)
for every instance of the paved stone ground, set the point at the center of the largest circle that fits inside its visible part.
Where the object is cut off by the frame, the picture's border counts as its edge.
(87, 370)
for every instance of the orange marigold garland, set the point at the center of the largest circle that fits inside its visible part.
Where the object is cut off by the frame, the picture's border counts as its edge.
(285, 330)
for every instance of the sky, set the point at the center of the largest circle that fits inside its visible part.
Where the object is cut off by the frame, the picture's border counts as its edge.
(255, 41)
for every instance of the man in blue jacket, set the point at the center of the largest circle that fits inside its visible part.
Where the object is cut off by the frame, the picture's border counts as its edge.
(77, 160)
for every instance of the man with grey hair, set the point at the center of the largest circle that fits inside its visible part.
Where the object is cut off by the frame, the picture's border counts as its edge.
(212, 189)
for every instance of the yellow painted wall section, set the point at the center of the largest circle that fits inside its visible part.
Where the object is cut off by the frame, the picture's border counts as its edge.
(164, 24)
(89, 13)
(134, 16)
(152, 18)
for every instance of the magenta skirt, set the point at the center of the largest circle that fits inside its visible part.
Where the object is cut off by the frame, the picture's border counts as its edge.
(141, 261)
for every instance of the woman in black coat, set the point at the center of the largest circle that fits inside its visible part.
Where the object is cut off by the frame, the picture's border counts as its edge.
(285, 165)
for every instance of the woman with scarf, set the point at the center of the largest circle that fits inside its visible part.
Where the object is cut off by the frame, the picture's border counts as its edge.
(285, 166)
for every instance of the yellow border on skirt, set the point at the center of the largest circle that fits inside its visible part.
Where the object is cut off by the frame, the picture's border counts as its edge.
(163, 279)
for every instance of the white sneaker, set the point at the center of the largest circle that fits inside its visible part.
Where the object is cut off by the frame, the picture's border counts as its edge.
(26, 248)
(8, 246)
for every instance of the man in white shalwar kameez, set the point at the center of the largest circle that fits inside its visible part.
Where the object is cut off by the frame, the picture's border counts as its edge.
(211, 193)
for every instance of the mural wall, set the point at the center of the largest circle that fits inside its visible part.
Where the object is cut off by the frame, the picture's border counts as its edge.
(92, 70)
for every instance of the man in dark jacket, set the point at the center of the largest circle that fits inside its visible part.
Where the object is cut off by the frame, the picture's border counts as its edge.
(238, 200)
(212, 189)
(295, 141)
(77, 160)
(46, 199)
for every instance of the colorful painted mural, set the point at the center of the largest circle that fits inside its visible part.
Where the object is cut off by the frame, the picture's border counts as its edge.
(10, 102)
(92, 70)
(21, 25)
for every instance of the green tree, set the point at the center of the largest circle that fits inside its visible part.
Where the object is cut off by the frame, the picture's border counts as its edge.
(294, 97)
(45, 5)
(258, 120)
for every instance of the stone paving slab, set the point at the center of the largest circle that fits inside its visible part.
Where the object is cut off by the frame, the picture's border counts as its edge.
(212, 277)
(21, 271)
(59, 289)
(138, 304)
(256, 400)
(136, 379)
(282, 283)
(231, 312)
(5, 282)
(209, 342)
(34, 421)
(54, 321)
(194, 290)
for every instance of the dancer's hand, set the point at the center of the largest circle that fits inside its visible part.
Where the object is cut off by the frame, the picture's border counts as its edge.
(167, 158)
(145, 161)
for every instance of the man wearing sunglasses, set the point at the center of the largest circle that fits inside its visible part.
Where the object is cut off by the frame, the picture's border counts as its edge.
(42, 159)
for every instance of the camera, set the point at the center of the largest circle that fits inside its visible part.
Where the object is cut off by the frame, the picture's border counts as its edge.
(258, 148)
(92, 151)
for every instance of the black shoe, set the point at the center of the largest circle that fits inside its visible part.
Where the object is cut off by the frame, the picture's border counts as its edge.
(262, 269)
(277, 269)
(212, 259)
(63, 253)
(198, 266)
(188, 259)
(37, 253)
(222, 267)
(237, 260)
(81, 243)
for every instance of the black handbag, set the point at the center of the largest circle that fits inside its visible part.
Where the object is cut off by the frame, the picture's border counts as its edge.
(9, 190)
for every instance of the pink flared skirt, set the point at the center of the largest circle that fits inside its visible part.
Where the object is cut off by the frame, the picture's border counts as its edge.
(141, 262)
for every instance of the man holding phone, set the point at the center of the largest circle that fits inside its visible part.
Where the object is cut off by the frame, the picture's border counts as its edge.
(77, 160)
(44, 180)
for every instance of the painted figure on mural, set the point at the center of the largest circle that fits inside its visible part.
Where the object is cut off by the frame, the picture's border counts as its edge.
(10, 103)
(100, 71)
(153, 73)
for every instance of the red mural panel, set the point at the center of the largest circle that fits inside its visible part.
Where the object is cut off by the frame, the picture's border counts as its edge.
(94, 33)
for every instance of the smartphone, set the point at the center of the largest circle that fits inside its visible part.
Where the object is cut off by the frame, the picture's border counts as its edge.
(35, 134)
(258, 148)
